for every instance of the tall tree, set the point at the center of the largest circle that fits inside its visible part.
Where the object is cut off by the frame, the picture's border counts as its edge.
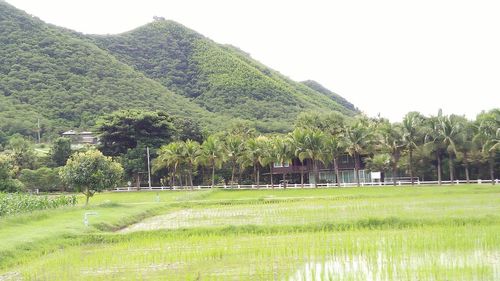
(271, 155)
(358, 138)
(125, 129)
(298, 143)
(171, 156)
(488, 137)
(411, 135)
(234, 148)
(213, 154)
(255, 154)
(312, 147)
(450, 130)
(466, 146)
(433, 141)
(335, 147)
(192, 153)
(391, 140)
(60, 151)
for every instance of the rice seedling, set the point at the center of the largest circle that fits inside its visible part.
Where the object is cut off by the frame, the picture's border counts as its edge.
(420, 233)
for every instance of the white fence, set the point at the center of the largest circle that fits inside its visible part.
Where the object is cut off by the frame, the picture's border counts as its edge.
(402, 182)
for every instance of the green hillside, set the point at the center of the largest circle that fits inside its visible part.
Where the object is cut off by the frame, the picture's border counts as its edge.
(320, 88)
(68, 79)
(220, 78)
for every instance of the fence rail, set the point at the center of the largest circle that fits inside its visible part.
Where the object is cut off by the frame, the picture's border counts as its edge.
(404, 182)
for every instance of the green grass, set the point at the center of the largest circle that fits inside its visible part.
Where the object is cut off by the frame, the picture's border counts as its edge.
(390, 233)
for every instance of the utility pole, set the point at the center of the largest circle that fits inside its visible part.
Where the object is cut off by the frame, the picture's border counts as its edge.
(149, 169)
(38, 130)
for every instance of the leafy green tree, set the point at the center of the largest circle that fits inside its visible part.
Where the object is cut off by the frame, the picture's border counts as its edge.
(7, 182)
(60, 151)
(90, 172)
(187, 129)
(412, 123)
(126, 129)
(45, 179)
(22, 153)
(134, 163)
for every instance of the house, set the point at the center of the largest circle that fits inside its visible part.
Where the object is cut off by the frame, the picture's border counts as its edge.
(293, 169)
(80, 137)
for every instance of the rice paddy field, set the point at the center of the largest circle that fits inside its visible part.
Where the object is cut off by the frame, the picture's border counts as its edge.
(376, 233)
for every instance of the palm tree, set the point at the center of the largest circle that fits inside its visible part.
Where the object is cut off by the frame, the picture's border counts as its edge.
(170, 156)
(271, 155)
(294, 146)
(357, 137)
(334, 148)
(488, 137)
(285, 151)
(192, 152)
(411, 126)
(233, 148)
(391, 140)
(213, 154)
(466, 145)
(433, 140)
(379, 163)
(255, 154)
(311, 146)
(450, 130)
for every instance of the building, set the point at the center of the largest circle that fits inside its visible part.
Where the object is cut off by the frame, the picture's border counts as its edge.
(80, 137)
(294, 169)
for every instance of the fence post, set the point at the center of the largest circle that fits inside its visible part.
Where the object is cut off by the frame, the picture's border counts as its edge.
(479, 181)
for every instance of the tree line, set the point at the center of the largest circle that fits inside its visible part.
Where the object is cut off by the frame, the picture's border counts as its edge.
(419, 146)
(399, 148)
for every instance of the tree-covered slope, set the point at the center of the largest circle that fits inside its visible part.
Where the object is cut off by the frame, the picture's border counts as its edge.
(219, 78)
(48, 72)
(320, 88)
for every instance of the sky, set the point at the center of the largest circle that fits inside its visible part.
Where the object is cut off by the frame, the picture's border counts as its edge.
(386, 57)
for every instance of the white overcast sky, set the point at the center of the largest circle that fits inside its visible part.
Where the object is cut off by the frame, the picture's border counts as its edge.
(387, 57)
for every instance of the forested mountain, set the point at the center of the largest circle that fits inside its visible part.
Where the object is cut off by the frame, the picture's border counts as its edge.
(219, 78)
(68, 79)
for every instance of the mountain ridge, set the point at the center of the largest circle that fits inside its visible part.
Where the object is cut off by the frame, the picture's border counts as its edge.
(68, 78)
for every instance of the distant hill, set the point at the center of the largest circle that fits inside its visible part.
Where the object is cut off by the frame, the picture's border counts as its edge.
(320, 88)
(219, 78)
(68, 79)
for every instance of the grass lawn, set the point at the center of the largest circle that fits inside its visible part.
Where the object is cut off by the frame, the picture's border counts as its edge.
(373, 233)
